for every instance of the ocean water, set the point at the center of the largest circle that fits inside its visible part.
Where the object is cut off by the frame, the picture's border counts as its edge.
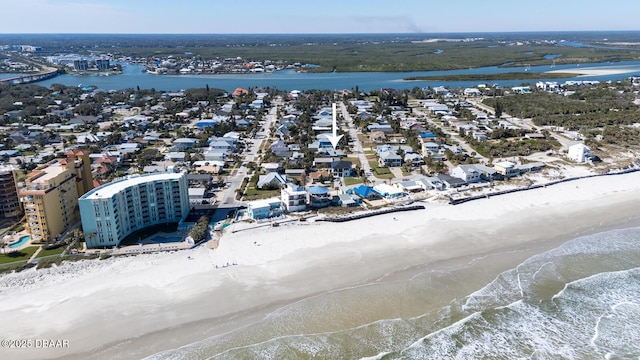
(580, 300)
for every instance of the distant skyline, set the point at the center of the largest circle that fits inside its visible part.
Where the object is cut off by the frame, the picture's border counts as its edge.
(329, 16)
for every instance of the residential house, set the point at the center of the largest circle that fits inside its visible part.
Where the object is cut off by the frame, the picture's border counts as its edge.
(321, 144)
(205, 123)
(279, 146)
(385, 128)
(451, 181)
(390, 159)
(430, 147)
(534, 166)
(272, 180)
(389, 192)
(432, 181)
(294, 198)
(579, 153)
(264, 209)
(182, 144)
(271, 166)
(471, 92)
(377, 136)
(322, 124)
(436, 108)
(362, 105)
(412, 186)
(225, 144)
(413, 158)
(341, 168)
(216, 155)
(506, 168)
(318, 197)
(150, 169)
(521, 90)
(320, 176)
(480, 135)
(348, 200)
(366, 193)
(243, 123)
(469, 173)
(124, 149)
(175, 156)
(488, 173)
(295, 172)
(393, 148)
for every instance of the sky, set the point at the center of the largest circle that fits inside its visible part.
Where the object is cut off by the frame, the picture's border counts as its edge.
(309, 17)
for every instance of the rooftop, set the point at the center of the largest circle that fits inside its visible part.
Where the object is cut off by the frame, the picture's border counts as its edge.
(48, 173)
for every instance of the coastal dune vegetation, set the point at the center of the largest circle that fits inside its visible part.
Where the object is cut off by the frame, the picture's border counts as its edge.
(595, 112)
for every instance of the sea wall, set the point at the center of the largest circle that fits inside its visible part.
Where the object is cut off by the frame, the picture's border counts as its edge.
(536, 186)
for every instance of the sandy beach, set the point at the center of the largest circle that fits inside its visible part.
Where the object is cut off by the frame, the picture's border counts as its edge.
(597, 71)
(132, 307)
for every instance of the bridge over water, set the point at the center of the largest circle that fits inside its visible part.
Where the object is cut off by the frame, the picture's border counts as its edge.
(26, 79)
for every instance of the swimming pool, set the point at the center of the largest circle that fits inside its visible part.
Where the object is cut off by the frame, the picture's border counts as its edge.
(159, 239)
(21, 241)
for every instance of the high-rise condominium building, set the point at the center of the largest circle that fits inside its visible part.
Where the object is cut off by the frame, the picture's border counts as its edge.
(113, 211)
(50, 195)
(10, 206)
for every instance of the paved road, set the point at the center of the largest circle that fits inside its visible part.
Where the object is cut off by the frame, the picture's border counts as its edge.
(226, 198)
(454, 135)
(357, 145)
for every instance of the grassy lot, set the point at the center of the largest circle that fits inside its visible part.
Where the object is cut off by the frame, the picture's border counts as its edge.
(353, 180)
(383, 173)
(380, 172)
(255, 194)
(20, 255)
(56, 251)
(355, 161)
(365, 142)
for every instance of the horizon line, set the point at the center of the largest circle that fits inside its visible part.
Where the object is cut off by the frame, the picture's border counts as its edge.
(324, 33)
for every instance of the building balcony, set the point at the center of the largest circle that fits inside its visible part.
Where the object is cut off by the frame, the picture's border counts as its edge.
(13, 213)
(39, 186)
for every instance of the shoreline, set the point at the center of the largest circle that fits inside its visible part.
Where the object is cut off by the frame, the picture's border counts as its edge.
(592, 71)
(166, 292)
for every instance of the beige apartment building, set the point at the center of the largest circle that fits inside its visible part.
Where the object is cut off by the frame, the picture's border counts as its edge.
(51, 192)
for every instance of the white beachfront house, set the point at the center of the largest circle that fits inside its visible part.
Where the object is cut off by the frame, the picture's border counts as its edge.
(264, 209)
(579, 153)
(467, 172)
(294, 198)
(389, 192)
